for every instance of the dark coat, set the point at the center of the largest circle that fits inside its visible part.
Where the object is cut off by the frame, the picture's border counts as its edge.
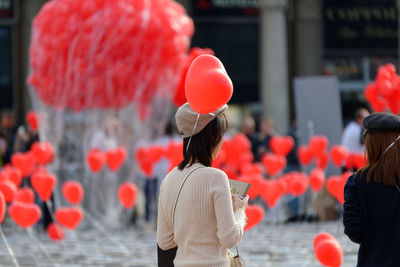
(371, 218)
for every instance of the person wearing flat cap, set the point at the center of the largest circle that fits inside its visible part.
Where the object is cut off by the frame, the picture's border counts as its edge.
(196, 213)
(371, 214)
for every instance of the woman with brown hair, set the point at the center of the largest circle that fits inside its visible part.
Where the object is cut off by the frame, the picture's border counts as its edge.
(196, 213)
(371, 215)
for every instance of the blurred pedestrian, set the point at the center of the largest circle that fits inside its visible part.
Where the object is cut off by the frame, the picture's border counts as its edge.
(371, 215)
(8, 129)
(248, 129)
(351, 138)
(266, 132)
(197, 218)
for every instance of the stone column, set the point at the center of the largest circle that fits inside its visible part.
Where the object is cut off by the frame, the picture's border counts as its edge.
(308, 38)
(274, 63)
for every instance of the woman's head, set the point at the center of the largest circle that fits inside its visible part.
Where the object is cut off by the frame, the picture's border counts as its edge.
(202, 134)
(382, 147)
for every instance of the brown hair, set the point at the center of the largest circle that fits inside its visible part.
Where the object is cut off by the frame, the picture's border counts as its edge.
(383, 167)
(202, 144)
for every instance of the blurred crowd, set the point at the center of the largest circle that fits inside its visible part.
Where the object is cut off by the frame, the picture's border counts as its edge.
(14, 138)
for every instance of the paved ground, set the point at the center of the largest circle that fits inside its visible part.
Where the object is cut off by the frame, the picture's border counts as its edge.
(287, 245)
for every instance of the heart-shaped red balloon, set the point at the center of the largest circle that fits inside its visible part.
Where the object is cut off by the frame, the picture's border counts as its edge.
(321, 237)
(207, 86)
(24, 215)
(115, 158)
(24, 162)
(322, 160)
(317, 179)
(3, 207)
(255, 214)
(95, 160)
(43, 183)
(69, 217)
(281, 145)
(8, 189)
(338, 154)
(329, 253)
(298, 183)
(273, 163)
(43, 152)
(55, 232)
(335, 186)
(32, 120)
(271, 192)
(255, 182)
(13, 174)
(25, 195)
(318, 144)
(127, 193)
(73, 192)
(305, 155)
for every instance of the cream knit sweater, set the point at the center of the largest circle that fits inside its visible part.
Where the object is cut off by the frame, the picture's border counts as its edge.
(205, 225)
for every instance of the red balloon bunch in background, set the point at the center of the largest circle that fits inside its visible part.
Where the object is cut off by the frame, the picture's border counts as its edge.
(384, 93)
(328, 250)
(106, 54)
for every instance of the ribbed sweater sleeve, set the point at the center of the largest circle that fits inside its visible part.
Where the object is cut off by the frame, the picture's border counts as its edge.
(229, 225)
(165, 234)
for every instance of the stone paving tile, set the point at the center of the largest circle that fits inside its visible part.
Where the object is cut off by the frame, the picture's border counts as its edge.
(287, 245)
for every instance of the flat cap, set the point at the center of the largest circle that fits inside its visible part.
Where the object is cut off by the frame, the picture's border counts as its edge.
(382, 122)
(186, 119)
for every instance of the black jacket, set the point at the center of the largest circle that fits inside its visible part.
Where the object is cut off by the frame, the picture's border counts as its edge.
(371, 218)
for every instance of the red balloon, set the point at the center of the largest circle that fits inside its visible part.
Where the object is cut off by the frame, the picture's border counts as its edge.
(115, 158)
(208, 86)
(180, 95)
(43, 183)
(338, 154)
(329, 253)
(13, 174)
(3, 207)
(321, 237)
(219, 161)
(95, 160)
(8, 189)
(32, 120)
(24, 162)
(69, 217)
(73, 192)
(318, 144)
(305, 155)
(25, 195)
(317, 179)
(155, 153)
(281, 145)
(322, 160)
(25, 215)
(55, 232)
(127, 193)
(43, 152)
(255, 214)
(273, 163)
(335, 186)
(255, 181)
(298, 184)
(271, 192)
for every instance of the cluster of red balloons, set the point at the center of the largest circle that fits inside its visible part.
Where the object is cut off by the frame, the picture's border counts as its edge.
(147, 156)
(107, 54)
(328, 250)
(384, 93)
(180, 95)
(335, 185)
(113, 158)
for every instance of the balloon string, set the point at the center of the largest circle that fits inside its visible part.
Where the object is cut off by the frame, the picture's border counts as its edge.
(103, 231)
(194, 128)
(34, 238)
(10, 251)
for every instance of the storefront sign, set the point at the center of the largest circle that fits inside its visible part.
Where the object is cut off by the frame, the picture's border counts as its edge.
(360, 26)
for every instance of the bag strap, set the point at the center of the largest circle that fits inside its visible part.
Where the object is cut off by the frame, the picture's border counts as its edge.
(179, 192)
